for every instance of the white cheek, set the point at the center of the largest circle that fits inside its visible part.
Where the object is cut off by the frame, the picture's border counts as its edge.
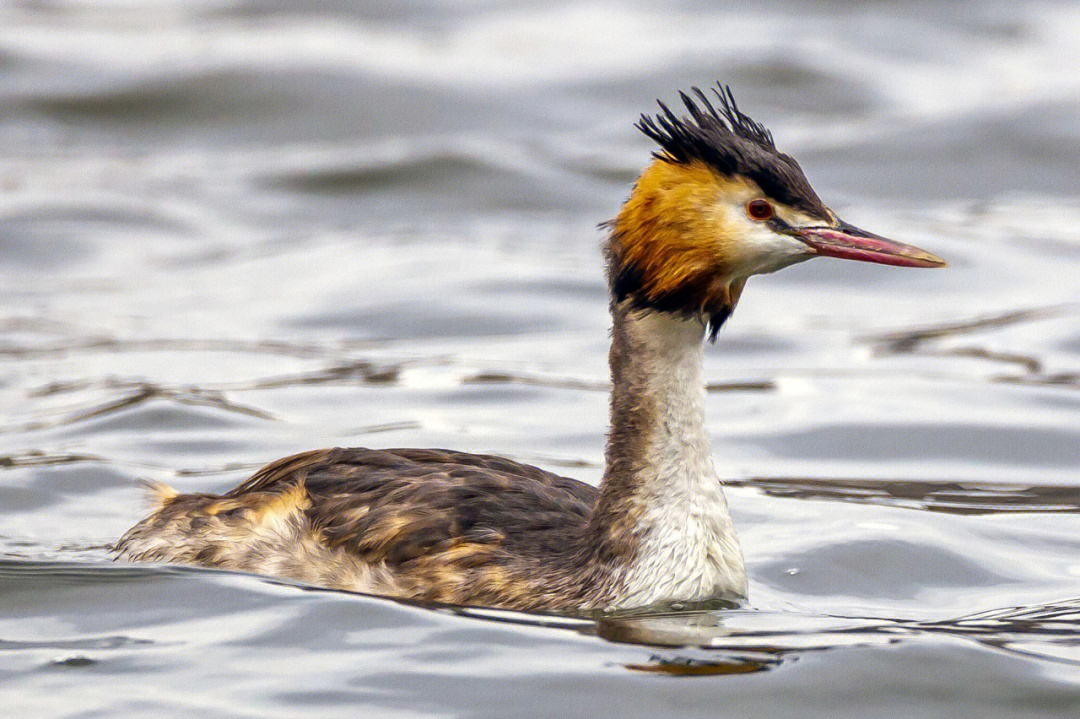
(765, 251)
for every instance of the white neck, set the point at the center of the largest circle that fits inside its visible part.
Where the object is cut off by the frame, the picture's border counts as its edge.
(660, 491)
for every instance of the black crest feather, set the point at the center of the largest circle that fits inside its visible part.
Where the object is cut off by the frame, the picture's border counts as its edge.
(734, 144)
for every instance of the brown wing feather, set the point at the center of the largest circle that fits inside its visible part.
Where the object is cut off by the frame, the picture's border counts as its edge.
(448, 526)
(395, 505)
(422, 523)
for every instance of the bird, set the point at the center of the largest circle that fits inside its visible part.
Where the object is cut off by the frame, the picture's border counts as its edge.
(716, 204)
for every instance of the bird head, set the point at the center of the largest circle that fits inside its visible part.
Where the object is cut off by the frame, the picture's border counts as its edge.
(718, 204)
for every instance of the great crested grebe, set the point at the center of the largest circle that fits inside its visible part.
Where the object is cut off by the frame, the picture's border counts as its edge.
(717, 204)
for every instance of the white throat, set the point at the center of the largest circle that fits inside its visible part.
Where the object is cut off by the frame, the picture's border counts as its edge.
(687, 547)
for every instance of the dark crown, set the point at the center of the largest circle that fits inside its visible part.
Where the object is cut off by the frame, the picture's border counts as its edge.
(732, 143)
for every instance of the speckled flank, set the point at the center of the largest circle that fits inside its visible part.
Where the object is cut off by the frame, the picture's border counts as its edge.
(423, 524)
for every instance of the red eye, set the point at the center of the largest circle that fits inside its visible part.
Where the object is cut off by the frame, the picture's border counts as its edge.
(759, 210)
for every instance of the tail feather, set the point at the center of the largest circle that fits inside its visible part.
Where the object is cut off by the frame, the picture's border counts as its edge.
(160, 493)
(214, 530)
(266, 530)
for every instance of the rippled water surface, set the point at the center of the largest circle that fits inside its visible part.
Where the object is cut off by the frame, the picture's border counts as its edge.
(234, 230)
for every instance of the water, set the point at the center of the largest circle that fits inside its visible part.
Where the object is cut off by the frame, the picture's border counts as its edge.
(230, 231)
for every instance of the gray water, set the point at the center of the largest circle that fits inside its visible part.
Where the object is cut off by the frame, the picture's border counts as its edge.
(230, 231)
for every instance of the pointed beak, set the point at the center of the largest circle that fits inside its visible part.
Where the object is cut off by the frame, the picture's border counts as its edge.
(850, 243)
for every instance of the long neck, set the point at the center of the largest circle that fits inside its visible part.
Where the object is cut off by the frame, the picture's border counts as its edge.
(661, 513)
(657, 407)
